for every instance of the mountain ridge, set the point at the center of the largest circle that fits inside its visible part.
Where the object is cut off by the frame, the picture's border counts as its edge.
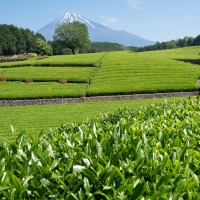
(97, 32)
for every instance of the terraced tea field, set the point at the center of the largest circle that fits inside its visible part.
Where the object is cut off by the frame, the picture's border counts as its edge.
(147, 72)
(61, 60)
(119, 73)
(46, 74)
(135, 153)
(102, 74)
(20, 90)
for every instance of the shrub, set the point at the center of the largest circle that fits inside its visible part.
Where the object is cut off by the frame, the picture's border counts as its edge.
(32, 54)
(2, 79)
(63, 81)
(28, 80)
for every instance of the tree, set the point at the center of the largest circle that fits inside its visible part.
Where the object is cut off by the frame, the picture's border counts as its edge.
(7, 40)
(190, 41)
(196, 41)
(30, 39)
(43, 47)
(58, 49)
(20, 43)
(72, 35)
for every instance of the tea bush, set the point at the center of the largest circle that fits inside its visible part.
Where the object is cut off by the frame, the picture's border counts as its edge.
(149, 153)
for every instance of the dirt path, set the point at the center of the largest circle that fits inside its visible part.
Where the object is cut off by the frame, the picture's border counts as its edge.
(94, 99)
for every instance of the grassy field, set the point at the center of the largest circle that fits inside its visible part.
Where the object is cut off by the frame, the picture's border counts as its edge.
(156, 71)
(33, 119)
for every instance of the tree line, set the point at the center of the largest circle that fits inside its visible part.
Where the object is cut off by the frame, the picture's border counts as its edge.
(71, 38)
(105, 46)
(94, 47)
(14, 40)
(172, 44)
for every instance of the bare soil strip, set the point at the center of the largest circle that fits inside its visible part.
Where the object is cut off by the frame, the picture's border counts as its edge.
(28, 102)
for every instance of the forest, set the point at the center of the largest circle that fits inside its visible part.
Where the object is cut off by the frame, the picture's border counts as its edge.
(14, 40)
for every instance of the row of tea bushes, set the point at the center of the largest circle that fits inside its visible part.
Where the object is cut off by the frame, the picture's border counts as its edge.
(148, 153)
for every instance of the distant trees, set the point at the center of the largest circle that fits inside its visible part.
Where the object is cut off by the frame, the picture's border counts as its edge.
(14, 40)
(196, 41)
(184, 42)
(105, 46)
(72, 35)
(94, 47)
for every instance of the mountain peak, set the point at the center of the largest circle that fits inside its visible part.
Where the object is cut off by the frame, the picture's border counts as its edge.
(71, 17)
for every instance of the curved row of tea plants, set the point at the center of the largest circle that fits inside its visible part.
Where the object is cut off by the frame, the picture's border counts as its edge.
(117, 72)
(36, 90)
(149, 153)
(88, 60)
(146, 72)
(45, 74)
(186, 53)
(36, 118)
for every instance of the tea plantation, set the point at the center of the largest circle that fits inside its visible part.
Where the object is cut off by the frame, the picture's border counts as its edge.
(101, 74)
(147, 153)
(148, 150)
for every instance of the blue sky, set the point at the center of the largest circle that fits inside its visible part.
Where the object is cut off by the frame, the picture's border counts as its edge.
(156, 20)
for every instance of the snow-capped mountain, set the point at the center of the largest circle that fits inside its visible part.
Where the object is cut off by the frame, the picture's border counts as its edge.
(97, 32)
(71, 17)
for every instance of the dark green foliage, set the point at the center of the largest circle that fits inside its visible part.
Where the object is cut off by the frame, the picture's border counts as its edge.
(149, 153)
(186, 41)
(20, 44)
(14, 40)
(30, 39)
(196, 41)
(93, 48)
(104, 46)
(59, 49)
(7, 40)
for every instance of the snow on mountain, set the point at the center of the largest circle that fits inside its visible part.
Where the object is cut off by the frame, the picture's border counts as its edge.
(97, 32)
(71, 17)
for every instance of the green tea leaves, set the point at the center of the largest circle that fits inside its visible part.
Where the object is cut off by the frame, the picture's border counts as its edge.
(149, 153)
